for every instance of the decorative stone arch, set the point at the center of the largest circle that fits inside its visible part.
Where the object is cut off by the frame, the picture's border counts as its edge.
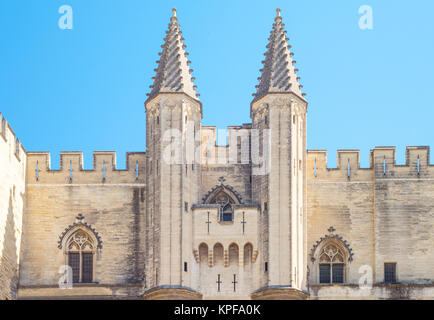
(218, 252)
(79, 224)
(211, 195)
(203, 253)
(331, 249)
(81, 242)
(233, 253)
(226, 197)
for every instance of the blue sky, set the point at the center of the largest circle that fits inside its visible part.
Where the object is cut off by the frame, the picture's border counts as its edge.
(83, 89)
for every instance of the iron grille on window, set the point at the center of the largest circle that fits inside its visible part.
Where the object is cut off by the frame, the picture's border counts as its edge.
(332, 266)
(87, 267)
(338, 273)
(74, 263)
(80, 256)
(324, 273)
(390, 272)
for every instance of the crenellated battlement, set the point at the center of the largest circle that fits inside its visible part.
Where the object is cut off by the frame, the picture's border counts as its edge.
(238, 141)
(8, 136)
(71, 168)
(382, 164)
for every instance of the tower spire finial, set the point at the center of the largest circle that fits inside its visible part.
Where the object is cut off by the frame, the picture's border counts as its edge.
(174, 19)
(278, 12)
(278, 74)
(173, 73)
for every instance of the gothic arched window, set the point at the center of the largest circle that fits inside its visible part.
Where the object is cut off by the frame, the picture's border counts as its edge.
(80, 250)
(331, 264)
(226, 212)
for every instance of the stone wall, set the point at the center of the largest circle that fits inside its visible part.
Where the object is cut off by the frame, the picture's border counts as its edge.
(113, 205)
(12, 198)
(382, 214)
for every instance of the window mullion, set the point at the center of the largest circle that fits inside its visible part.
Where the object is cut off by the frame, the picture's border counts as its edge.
(80, 266)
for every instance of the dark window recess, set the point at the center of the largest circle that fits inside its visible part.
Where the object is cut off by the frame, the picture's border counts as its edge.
(266, 267)
(74, 263)
(185, 206)
(227, 213)
(87, 267)
(265, 206)
(390, 272)
(338, 273)
(185, 267)
(324, 273)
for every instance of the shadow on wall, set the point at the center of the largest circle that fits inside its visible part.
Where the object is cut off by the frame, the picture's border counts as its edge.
(9, 257)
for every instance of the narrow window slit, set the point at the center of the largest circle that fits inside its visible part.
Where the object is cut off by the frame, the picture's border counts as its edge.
(70, 170)
(418, 165)
(103, 171)
(384, 165)
(137, 170)
(349, 169)
(37, 170)
(315, 169)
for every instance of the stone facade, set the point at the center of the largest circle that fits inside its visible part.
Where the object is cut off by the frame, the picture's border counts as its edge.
(190, 219)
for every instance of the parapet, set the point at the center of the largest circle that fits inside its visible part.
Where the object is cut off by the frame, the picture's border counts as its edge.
(71, 168)
(382, 164)
(237, 143)
(8, 136)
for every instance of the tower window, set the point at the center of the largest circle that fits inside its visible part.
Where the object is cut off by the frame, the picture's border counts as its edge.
(226, 213)
(185, 267)
(266, 267)
(265, 206)
(186, 206)
(390, 272)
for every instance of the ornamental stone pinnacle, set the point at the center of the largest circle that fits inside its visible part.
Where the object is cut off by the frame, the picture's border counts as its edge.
(278, 74)
(173, 74)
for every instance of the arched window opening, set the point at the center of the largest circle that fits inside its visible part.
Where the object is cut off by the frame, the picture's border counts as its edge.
(226, 212)
(218, 254)
(203, 254)
(80, 252)
(233, 254)
(331, 264)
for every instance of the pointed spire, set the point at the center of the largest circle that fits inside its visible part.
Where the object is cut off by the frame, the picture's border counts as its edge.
(278, 74)
(173, 73)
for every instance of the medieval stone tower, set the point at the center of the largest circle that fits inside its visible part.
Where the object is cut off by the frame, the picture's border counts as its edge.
(273, 256)
(172, 111)
(257, 218)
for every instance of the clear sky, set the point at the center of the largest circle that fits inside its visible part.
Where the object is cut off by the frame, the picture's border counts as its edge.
(83, 89)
